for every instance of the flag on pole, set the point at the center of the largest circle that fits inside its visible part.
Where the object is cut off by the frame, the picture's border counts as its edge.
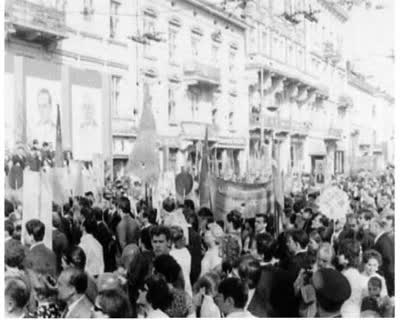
(277, 186)
(204, 183)
(60, 194)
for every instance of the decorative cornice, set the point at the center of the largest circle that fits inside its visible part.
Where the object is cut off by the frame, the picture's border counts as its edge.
(335, 9)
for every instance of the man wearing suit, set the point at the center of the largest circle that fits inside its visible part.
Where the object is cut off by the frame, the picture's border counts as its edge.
(271, 291)
(384, 244)
(60, 241)
(72, 284)
(39, 258)
(128, 230)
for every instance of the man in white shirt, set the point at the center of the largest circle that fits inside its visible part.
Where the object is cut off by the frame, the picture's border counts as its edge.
(232, 298)
(92, 248)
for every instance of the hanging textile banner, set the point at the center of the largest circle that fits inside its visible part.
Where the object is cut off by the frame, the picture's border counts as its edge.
(228, 195)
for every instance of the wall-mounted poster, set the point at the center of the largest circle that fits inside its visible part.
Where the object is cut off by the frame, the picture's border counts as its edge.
(42, 97)
(320, 171)
(86, 122)
(9, 109)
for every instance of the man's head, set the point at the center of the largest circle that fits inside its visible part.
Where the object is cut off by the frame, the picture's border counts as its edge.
(325, 256)
(297, 240)
(249, 271)
(234, 219)
(124, 205)
(266, 245)
(71, 282)
(261, 223)
(35, 230)
(232, 294)
(378, 225)
(332, 290)
(44, 104)
(384, 200)
(364, 219)
(89, 225)
(160, 240)
(8, 228)
(16, 298)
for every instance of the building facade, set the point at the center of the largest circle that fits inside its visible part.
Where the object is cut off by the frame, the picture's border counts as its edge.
(271, 72)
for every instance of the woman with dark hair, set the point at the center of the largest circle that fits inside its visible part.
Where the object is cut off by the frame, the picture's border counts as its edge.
(248, 236)
(349, 259)
(155, 297)
(112, 304)
(181, 306)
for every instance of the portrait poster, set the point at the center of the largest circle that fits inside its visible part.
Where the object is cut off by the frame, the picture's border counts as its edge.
(86, 122)
(320, 171)
(42, 97)
(8, 113)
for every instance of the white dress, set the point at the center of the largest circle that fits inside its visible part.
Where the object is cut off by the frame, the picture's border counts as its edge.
(184, 259)
(209, 309)
(210, 260)
(94, 255)
(352, 306)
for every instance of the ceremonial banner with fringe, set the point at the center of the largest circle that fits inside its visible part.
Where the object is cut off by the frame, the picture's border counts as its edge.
(228, 195)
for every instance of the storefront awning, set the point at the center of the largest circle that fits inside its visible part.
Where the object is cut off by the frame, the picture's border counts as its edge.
(316, 147)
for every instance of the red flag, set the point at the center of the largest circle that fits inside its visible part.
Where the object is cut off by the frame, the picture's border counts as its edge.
(204, 184)
(59, 184)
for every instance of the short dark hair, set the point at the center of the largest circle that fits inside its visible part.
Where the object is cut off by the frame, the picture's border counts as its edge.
(78, 279)
(125, 205)
(205, 213)
(299, 236)
(9, 227)
(159, 230)
(18, 290)
(372, 254)
(265, 244)
(89, 194)
(168, 267)
(115, 303)
(236, 289)
(77, 257)
(250, 271)
(368, 215)
(168, 205)
(262, 215)
(188, 203)
(234, 217)
(375, 281)
(35, 228)
(90, 225)
(158, 293)
(351, 250)
(145, 238)
(14, 254)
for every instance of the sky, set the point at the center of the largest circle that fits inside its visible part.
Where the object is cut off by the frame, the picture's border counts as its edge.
(369, 39)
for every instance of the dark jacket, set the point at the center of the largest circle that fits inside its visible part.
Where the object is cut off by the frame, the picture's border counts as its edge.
(302, 260)
(60, 246)
(385, 246)
(274, 294)
(194, 248)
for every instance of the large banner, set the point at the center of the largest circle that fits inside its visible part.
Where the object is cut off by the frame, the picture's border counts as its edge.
(363, 163)
(87, 122)
(228, 195)
(42, 97)
(8, 112)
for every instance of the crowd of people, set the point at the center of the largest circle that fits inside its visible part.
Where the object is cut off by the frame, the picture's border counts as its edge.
(120, 258)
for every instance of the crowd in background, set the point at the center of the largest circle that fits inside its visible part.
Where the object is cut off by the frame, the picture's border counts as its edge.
(115, 257)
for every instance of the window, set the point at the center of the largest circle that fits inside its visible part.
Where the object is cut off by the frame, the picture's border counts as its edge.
(172, 44)
(149, 29)
(194, 96)
(114, 11)
(265, 42)
(214, 116)
(232, 60)
(339, 161)
(115, 94)
(171, 106)
(195, 45)
(215, 53)
(292, 156)
(231, 121)
(88, 9)
(172, 155)
(253, 40)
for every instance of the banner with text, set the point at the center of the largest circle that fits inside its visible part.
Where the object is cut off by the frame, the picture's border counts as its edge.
(228, 195)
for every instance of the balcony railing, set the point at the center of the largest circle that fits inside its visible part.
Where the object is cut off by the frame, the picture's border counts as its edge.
(196, 130)
(333, 134)
(202, 72)
(124, 127)
(35, 22)
(299, 128)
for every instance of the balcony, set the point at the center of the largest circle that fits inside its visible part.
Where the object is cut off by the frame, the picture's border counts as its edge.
(377, 149)
(299, 129)
(124, 127)
(199, 72)
(333, 134)
(193, 130)
(33, 22)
